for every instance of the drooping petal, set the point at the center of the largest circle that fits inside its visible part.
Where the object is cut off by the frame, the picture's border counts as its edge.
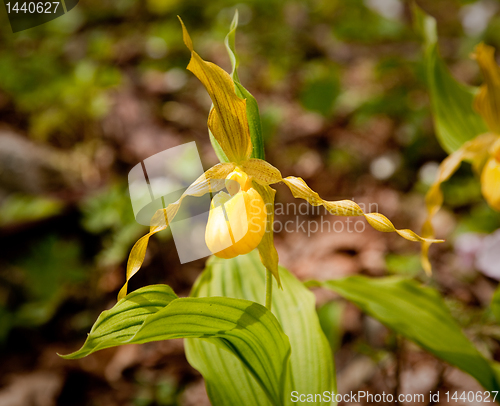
(267, 251)
(228, 119)
(487, 101)
(471, 150)
(265, 174)
(211, 180)
(378, 221)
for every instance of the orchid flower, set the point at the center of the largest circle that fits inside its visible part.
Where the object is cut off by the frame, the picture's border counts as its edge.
(248, 208)
(483, 151)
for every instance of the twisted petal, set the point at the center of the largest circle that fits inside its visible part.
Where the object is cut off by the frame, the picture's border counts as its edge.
(267, 251)
(228, 119)
(265, 174)
(212, 180)
(474, 150)
(487, 101)
(378, 221)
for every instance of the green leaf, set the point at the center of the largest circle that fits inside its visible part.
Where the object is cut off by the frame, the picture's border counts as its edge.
(330, 319)
(239, 328)
(321, 88)
(420, 314)
(311, 361)
(455, 119)
(118, 325)
(254, 125)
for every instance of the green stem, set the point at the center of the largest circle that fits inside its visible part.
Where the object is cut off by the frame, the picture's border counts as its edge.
(269, 289)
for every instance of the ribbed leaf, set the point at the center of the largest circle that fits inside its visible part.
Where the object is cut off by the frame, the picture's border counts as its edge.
(311, 362)
(239, 328)
(452, 102)
(115, 326)
(420, 314)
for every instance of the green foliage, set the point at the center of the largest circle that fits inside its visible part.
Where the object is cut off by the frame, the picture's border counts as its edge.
(60, 84)
(19, 208)
(109, 213)
(45, 278)
(311, 366)
(405, 265)
(58, 97)
(330, 319)
(374, 26)
(480, 219)
(419, 314)
(320, 89)
(455, 119)
(242, 328)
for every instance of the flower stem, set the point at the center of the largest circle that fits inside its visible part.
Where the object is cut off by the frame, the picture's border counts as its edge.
(269, 289)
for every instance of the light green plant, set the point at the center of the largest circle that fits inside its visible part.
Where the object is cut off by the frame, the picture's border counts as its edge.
(467, 122)
(248, 354)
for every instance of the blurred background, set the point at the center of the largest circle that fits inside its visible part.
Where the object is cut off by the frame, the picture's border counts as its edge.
(343, 100)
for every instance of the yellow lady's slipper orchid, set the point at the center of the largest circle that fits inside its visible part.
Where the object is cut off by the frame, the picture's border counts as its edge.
(483, 151)
(243, 219)
(237, 221)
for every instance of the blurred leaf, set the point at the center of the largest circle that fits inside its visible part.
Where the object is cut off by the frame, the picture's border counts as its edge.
(19, 208)
(320, 89)
(404, 265)
(242, 328)
(330, 319)
(462, 191)
(311, 361)
(353, 21)
(49, 271)
(454, 117)
(51, 264)
(110, 212)
(481, 218)
(161, 7)
(272, 117)
(419, 314)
